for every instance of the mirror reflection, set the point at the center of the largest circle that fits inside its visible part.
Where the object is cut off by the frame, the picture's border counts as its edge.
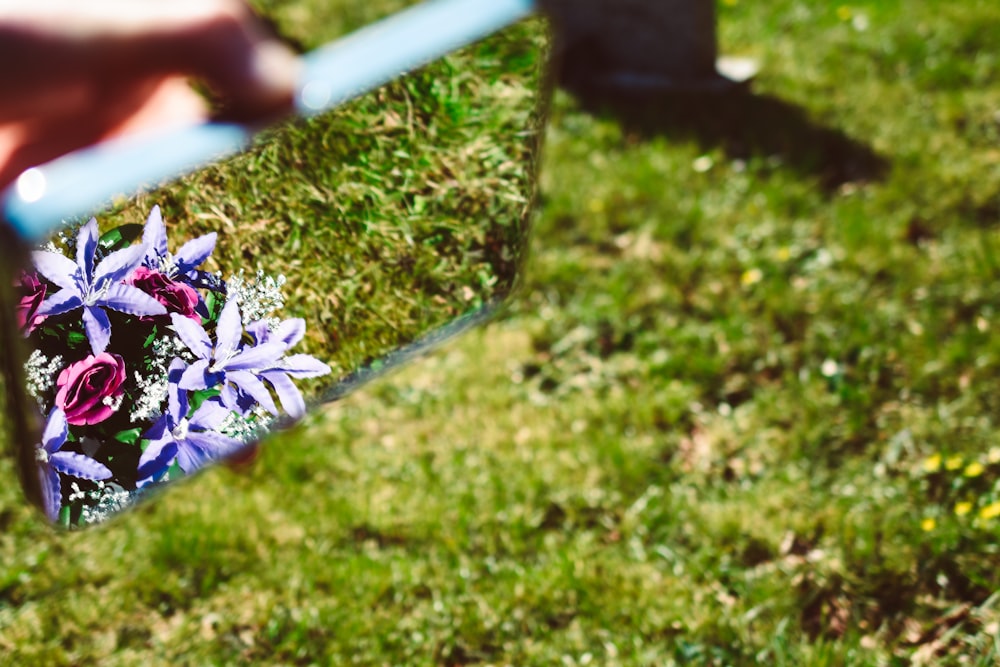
(178, 327)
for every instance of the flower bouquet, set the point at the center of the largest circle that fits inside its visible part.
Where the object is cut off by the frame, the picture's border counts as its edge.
(147, 367)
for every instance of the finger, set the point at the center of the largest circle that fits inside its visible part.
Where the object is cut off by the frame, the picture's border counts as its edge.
(61, 45)
(168, 103)
(156, 104)
(226, 46)
(254, 74)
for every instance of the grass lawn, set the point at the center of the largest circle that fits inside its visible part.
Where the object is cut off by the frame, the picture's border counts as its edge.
(743, 409)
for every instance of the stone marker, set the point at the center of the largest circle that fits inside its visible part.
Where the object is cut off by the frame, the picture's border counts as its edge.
(639, 45)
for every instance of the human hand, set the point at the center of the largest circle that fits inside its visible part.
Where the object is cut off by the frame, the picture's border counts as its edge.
(78, 73)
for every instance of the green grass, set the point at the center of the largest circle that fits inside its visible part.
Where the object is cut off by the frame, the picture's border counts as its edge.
(700, 435)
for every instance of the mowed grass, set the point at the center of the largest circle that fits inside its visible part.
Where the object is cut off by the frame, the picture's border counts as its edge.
(743, 411)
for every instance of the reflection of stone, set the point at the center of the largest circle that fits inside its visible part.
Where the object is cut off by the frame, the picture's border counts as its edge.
(665, 45)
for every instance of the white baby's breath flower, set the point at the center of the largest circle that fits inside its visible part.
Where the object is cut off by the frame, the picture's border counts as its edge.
(246, 429)
(257, 297)
(152, 393)
(153, 384)
(40, 373)
(113, 402)
(108, 500)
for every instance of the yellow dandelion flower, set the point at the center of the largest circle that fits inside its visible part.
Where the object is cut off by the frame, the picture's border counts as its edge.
(932, 463)
(928, 524)
(783, 253)
(963, 508)
(994, 455)
(953, 463)
(844, 13)
(751, 277)
(974, 469)
(990, 511)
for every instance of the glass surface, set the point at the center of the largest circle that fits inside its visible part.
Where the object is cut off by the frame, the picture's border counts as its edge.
(180, 326)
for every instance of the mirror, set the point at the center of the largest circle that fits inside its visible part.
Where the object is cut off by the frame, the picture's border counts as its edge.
(179, 327)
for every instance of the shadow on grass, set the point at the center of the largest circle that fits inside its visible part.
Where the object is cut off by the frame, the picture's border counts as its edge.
(744, 125)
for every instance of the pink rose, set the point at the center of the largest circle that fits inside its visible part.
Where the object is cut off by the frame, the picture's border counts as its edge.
(176, 297)
(87, 387)
(32, 295)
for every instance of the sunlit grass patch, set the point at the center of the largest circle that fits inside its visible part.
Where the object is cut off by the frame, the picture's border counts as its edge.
(744, 410)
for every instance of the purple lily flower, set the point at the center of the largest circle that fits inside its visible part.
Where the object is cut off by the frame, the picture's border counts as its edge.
(51, 462)
(227, 363)
(192, 441)
(90, 288)
(280, 374)
(187, 260)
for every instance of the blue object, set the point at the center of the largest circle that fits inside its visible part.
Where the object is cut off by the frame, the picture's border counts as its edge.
(382, 51)
(44, 197)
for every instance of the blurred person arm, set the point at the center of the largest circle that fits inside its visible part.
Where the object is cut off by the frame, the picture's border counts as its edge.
(77, 73)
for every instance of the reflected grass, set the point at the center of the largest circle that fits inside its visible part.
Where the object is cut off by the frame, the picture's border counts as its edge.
(388, 217)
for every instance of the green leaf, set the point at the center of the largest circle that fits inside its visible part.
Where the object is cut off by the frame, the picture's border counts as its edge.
(128, 436)
(199, 397)
(214, 304)
(52, 331)
(120, 237)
